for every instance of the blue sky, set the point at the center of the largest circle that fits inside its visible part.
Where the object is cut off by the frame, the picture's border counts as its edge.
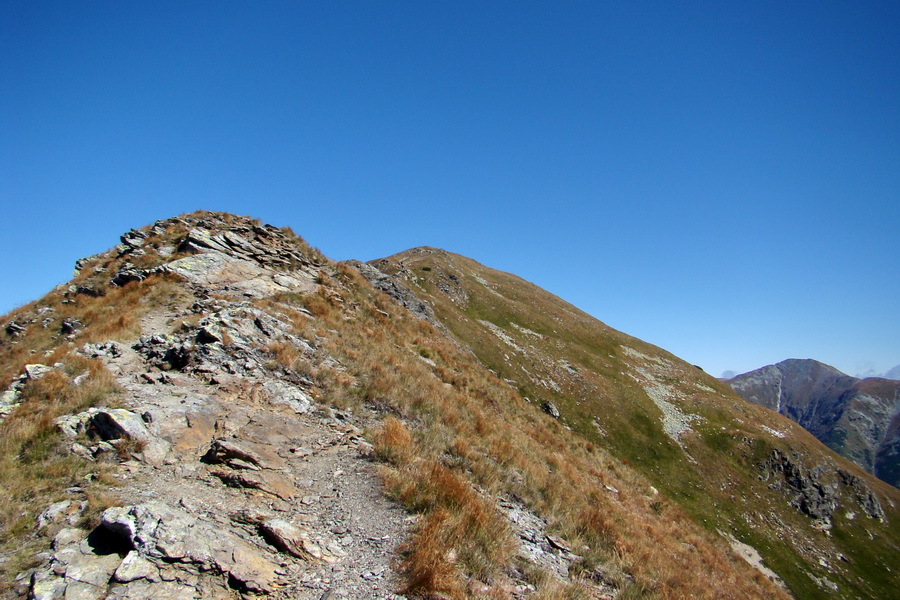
(722, 180)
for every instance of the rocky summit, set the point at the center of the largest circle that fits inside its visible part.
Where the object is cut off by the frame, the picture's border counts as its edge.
(213, 409)
(857, 418)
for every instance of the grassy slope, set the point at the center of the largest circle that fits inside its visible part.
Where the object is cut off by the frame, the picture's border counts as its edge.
(601, 401)
(459, 440)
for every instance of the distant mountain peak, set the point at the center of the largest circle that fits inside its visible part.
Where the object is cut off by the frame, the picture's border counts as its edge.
(857, 418)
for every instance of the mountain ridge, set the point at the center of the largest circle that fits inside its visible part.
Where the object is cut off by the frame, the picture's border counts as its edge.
(309, 416)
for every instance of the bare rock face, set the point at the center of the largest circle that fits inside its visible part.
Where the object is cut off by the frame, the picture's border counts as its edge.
(820, 491)
(243, 261)
(164, 533)
(390, 284)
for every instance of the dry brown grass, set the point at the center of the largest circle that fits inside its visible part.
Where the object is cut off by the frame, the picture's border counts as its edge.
(34, 467)
(113, 316)
(393, 442)
(283, 353)
(457, 438)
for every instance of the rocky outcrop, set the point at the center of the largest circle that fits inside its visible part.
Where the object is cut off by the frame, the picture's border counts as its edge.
(152, 550)
(114, 427)
(819, 491)
(857, 418)
(391, 285)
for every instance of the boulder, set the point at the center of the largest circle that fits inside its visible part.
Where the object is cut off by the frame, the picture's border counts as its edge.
(293, 540)
(14, 329)
(110, 424)
(127, 275)
(116, 423)
(550, 409)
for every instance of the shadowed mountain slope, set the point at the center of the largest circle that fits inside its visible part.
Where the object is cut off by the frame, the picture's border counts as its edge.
(857, 418)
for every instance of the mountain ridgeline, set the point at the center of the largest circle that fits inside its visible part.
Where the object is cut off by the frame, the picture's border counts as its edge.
(213, 409)
(857, 418)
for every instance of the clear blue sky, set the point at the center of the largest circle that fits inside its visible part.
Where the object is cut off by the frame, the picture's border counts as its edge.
(722, 180)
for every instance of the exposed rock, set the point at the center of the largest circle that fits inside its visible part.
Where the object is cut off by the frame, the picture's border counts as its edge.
(157, 531)
(165, 351)
(550, 409)
(9, 400)
(752, 556)
(813, 498)
(534, 544)
(12, 396)
(37, 371)
(103, 349)
(224, 450)
(89, 290)
(109, 424)
(392, 287)
(80, 568)
(863, 496)
(127, 274)
(14, 329)
(820, 491)
(292, 540)
(225, 274)
(134, 567)
(269, 482)
(116, 423)
(654, 375)
(133, 238)
(70, 326)
(52, 513)
(291, 396)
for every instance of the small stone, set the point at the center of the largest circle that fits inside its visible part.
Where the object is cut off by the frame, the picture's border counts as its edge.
(70, 325)
(36, 371)
(81, 451)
